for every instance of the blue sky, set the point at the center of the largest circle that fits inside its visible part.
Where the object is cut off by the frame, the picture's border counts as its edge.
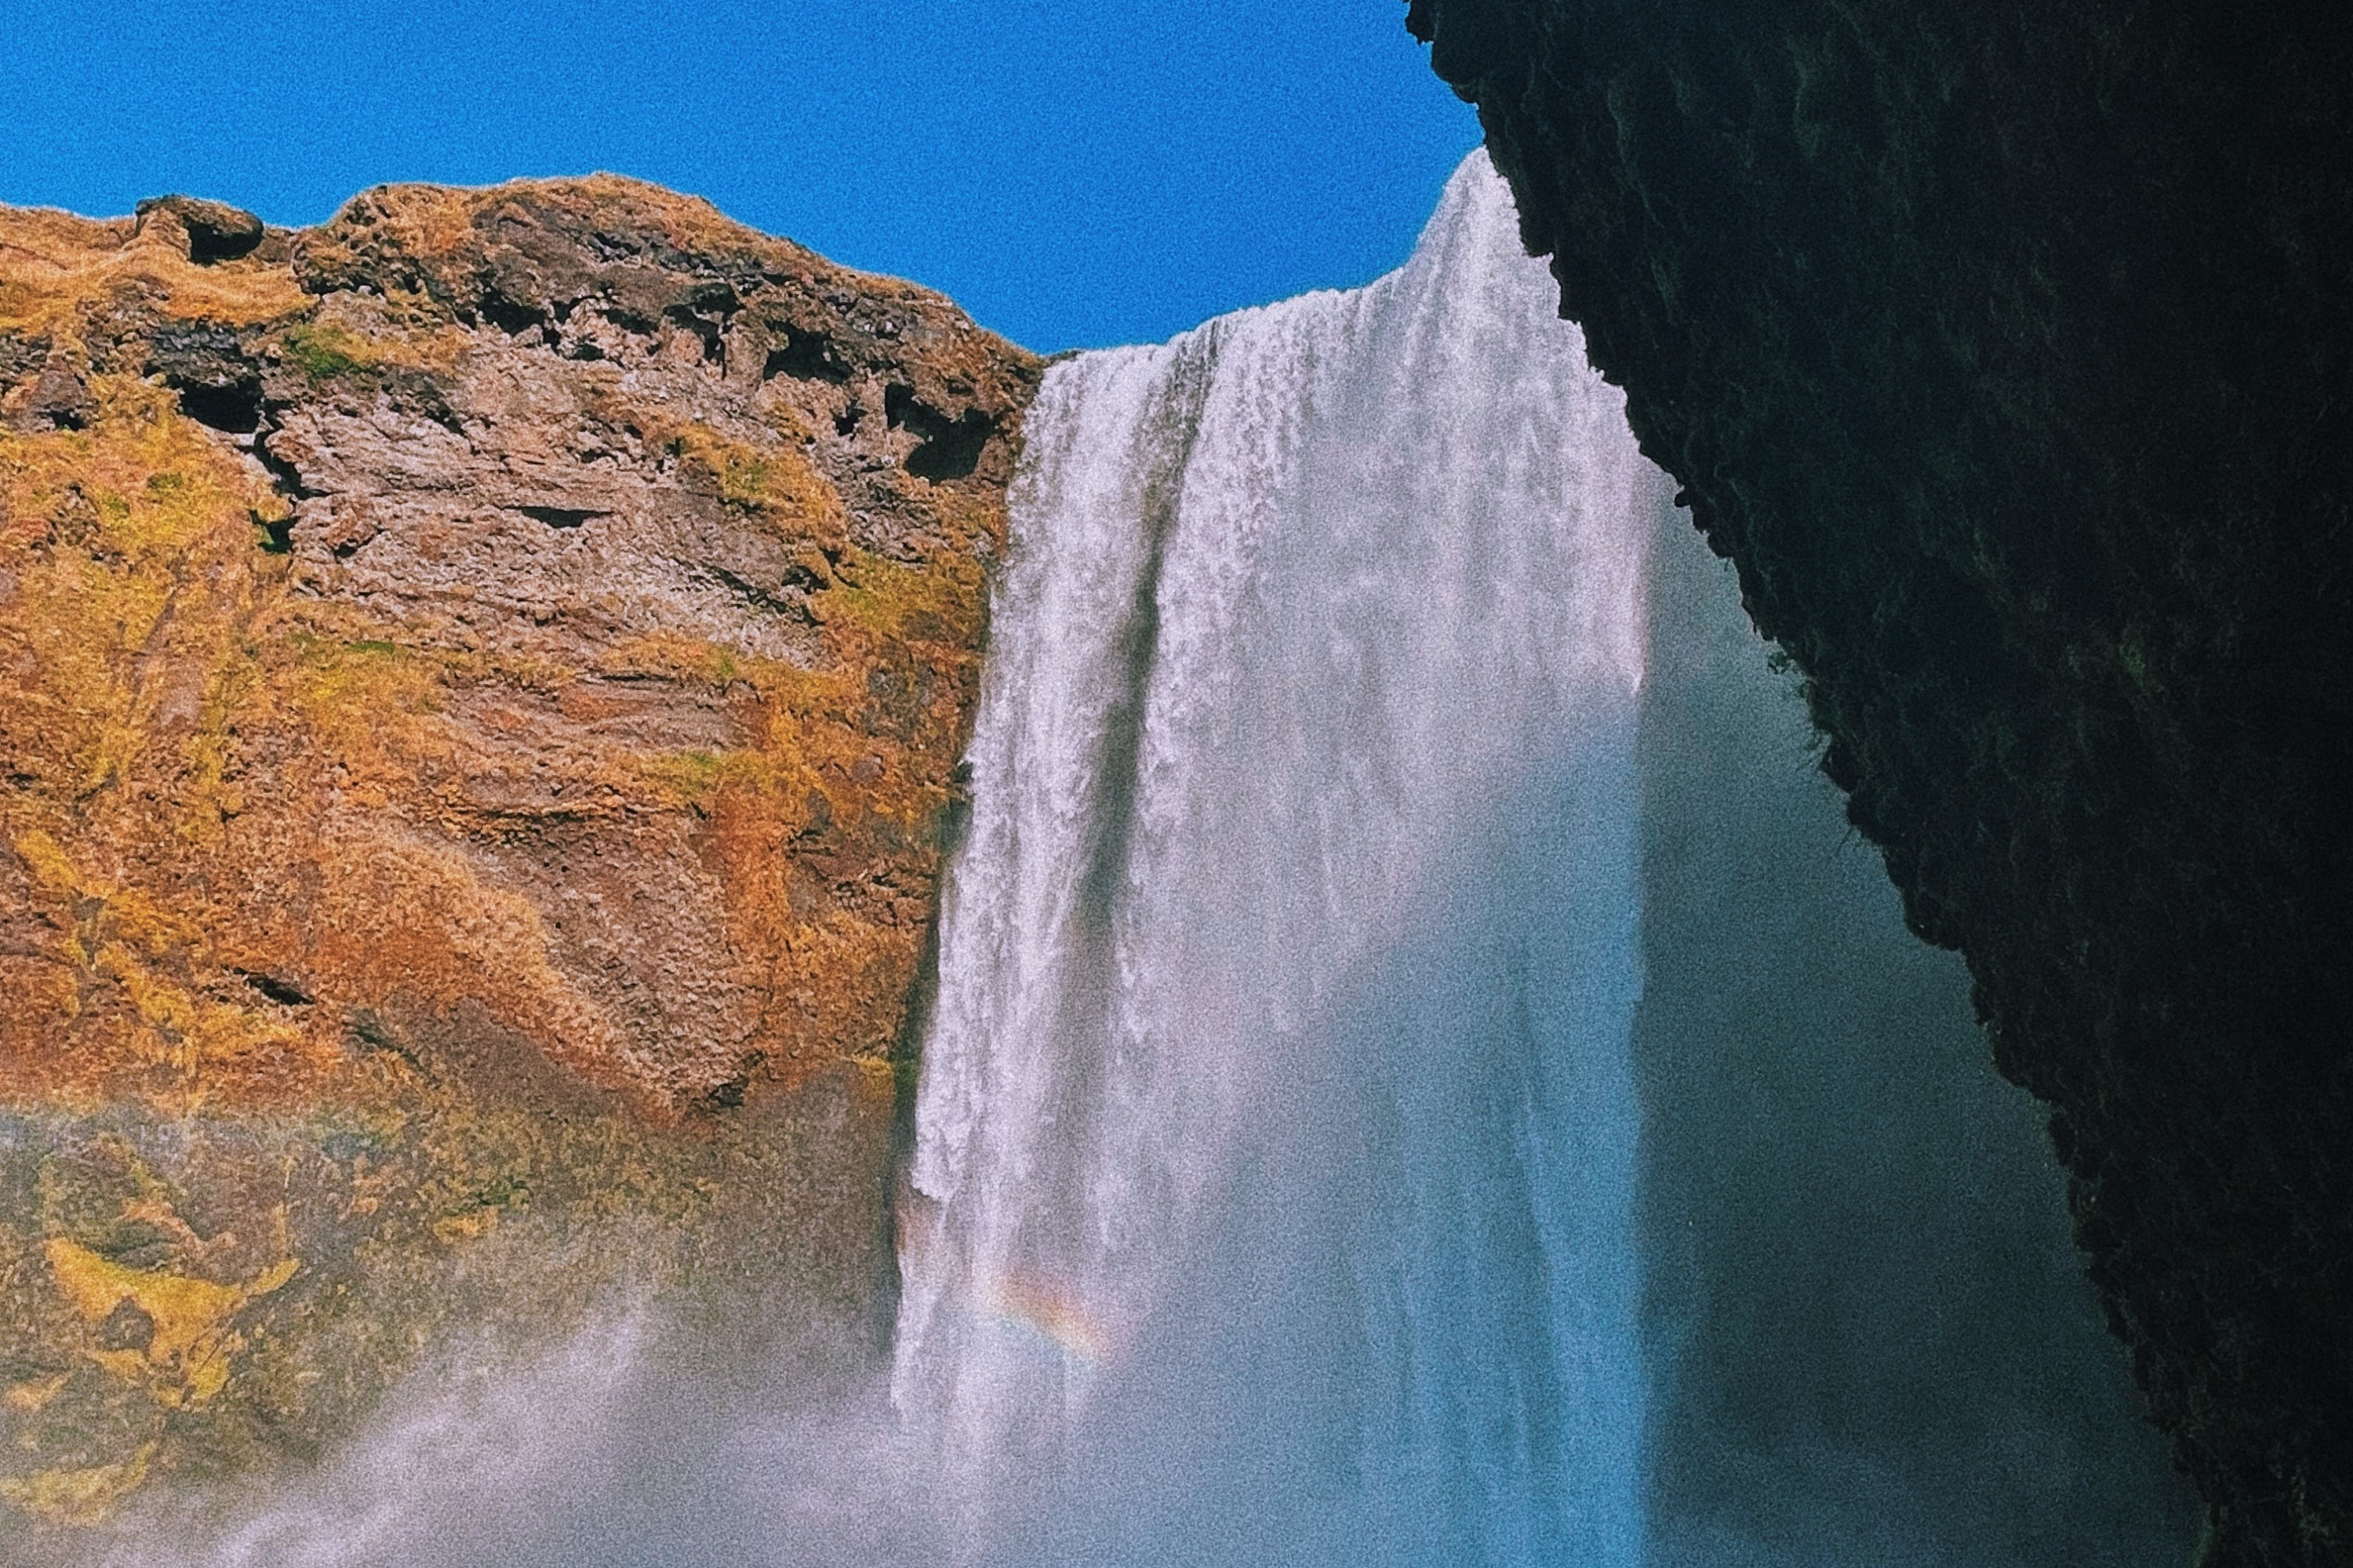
(1073, 172)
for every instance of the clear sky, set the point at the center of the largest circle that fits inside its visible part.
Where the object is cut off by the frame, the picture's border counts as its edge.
(1074, 172)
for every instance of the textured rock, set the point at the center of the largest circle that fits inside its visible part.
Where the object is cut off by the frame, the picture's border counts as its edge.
(480, 689)
(2005, 348)
(209, 231)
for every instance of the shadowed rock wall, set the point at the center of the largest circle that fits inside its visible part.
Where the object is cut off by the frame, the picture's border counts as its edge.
(1871, 1339)
(480, 684)
(2005, 348)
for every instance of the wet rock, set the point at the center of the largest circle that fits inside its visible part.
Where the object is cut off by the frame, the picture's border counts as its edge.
(2004, 347)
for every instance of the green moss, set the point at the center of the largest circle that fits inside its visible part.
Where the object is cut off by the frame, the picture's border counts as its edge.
(694, 777)
(324, 352)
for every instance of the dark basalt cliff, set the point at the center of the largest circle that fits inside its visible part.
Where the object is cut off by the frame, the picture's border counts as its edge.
(2005, 348)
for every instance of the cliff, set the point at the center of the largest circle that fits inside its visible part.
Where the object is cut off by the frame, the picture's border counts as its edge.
(2005, 349)
(481, 688)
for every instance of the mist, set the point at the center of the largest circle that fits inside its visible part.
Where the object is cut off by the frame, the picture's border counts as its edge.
(1421, 1074)
(1869, 1333)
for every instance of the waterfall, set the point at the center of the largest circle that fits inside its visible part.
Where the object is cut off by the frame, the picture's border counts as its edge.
(1420, 1073)
(1305, 1171)
(1272, 1190)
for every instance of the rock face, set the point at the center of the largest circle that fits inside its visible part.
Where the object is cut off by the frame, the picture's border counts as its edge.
(2006, 350)
(480, 684)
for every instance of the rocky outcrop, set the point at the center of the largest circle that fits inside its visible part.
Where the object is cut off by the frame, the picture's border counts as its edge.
(481, 688)
(2006, 350)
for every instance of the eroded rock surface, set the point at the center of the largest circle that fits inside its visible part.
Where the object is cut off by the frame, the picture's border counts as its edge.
(2005, 348)
(480, 684)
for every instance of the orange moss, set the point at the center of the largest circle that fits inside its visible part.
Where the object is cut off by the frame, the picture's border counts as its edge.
(779, 486)
(56, 263)
(161, 643)
(81, 1496)
(522, 926)
(189, 1343)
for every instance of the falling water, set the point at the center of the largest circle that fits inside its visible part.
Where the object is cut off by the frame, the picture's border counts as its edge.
(1305, 1171)
(1273, 1185)
(1419, 1074)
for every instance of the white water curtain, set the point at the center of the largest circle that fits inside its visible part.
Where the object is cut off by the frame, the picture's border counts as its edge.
(1276, 1135)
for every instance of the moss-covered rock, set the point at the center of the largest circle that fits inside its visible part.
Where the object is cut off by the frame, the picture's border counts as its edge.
(480, 690)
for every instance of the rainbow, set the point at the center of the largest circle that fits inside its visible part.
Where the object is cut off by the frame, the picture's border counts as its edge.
(1048, 1311)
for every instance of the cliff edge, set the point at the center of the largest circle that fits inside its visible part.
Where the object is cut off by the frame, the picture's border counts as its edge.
(481, 688)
